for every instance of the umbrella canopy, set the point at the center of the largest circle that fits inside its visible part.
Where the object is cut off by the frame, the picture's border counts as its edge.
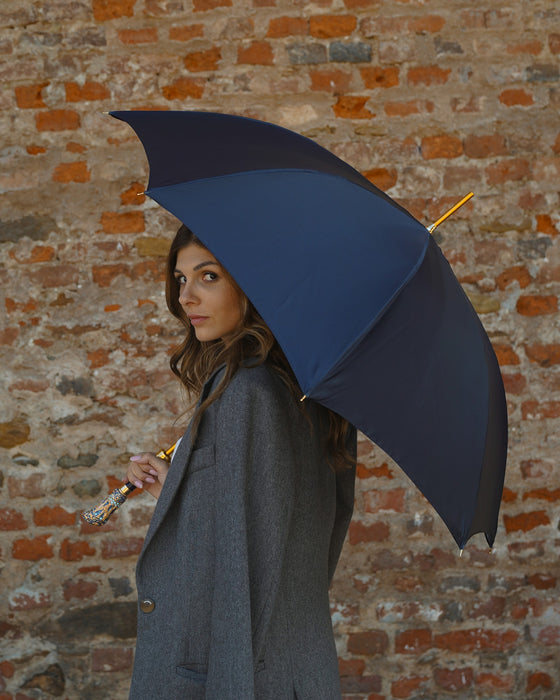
(367, 310)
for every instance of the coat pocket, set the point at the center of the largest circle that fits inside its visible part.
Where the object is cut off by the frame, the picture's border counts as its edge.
(193, 673)
(202, 458)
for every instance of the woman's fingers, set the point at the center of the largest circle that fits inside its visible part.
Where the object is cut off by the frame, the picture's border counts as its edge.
(147, 471)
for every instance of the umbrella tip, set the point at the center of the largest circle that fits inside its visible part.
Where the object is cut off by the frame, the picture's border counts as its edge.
(461, 552)
(303, 397)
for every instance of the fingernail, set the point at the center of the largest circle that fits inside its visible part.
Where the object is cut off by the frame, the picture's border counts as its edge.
(138, 484)
(136, 458)
(153, 471)
(150, 480)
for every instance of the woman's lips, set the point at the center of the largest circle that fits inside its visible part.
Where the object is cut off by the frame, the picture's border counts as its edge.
(196, 320)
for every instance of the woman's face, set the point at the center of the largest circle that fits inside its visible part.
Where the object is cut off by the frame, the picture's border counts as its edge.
(208, 297)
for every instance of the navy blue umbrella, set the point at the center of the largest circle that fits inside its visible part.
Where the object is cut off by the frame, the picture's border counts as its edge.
(366, 308)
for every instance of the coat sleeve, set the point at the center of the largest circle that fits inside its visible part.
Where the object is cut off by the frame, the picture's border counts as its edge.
(256, 481)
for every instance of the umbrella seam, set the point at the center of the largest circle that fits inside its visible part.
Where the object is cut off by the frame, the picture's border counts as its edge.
(375, 320)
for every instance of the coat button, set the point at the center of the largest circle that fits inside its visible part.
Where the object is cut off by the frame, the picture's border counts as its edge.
(147, 605)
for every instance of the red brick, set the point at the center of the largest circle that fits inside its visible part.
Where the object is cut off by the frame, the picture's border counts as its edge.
(528, 47)
(75, 551)
(514, 383)
(426, 23)
(55, 275)
(524, 522)
(536, 469)
(377, 500)
(35, 150)
(11, 519)
(145, 35)
(407, 687)
(134, 195)
(413, 641)
(328, 26)
(335, 81)
(98, 358)
(183, 88)
(54, 515)
(382, 178)
(125, 547)
(206, 60)
(542, 582)
(554, 43)
(360, 532)
(352, 107)
(376, 77)
(428, 75)
(476, 146)
(381, 472)
(517, 273)
(537, 305)
(32, 550)
(30, 96)
(112, 9)
(543, 494)
(280, 27)
(506, 355)
(531, 410)
(491, 608)
(27, 601)
(103, 275)
(538, 679)
(368, 643)
(57, 120)
(453, 679)
(186, 32)
(259, 53)
(7, 669)
(122, 222)
(550, 636)
(72, 172)
(508, 171)
(493, 681)
(508, 496)
(79, 589)
(442, 146)
(204, 5)
(545, 224)
(30, 486)
(462, 641)
(351, 667)
(405, 109)
(111, 660)
(516, 97)
(88, 92)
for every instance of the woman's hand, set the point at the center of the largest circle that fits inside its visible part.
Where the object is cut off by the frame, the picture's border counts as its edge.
(148, 472)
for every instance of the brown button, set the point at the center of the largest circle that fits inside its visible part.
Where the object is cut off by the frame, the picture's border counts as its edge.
(147, 605)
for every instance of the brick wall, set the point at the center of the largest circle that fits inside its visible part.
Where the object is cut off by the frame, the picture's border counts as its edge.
(429, 99)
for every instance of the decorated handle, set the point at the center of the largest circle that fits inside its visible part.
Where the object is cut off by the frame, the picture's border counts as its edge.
(102, 512)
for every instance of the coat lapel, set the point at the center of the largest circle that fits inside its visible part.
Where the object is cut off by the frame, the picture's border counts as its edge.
(177, 471)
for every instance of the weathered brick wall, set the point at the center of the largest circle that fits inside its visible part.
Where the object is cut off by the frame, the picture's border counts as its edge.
(429, 99)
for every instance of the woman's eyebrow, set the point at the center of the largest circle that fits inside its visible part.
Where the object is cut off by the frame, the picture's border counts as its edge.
(203, 264)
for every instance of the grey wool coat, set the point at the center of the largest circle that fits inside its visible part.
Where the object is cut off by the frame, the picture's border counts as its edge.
(239, 555)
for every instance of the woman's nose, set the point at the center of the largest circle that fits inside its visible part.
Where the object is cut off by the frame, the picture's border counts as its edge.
(186, 295)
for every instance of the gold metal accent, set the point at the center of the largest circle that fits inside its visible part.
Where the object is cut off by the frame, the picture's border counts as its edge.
(451, 211)
(461, 553)
(303, 398)
(103, 511)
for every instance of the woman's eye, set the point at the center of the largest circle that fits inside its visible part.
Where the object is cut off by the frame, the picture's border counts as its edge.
(210, 276)
(181, 280)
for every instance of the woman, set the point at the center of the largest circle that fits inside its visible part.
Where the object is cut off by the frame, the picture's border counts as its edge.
(233, 577)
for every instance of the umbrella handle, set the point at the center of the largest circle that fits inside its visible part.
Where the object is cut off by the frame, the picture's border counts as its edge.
(101, 513)
(451, 211)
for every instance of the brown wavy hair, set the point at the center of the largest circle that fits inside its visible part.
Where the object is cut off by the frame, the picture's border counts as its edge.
(194, 361)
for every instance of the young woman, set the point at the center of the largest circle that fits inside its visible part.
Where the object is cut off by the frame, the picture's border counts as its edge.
(251, 515)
